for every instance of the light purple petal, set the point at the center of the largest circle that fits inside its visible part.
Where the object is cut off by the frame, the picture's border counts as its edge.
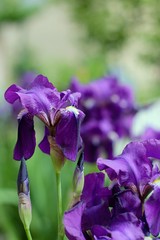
(26, 140)
(133, 166)
(126, 227)
(150, 133)
(68, 132)
(41, 82)
(152, 212)
(152, 147)
(41, 98)
(72, 222)
(44, 144)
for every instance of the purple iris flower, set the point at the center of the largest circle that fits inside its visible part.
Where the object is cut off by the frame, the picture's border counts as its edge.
(109, 108)
(136, 169)
(57, 110)
(95, 218)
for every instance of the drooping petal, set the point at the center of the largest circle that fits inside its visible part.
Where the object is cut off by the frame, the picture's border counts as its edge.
(68, 132)
(133, 166)
(72, 222)
(152, 212)
(44, 144)
(11, 93)
(26, 140)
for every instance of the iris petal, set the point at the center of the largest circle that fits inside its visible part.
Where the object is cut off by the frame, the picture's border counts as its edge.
(44, 144)
(68, 132)
(26, 140)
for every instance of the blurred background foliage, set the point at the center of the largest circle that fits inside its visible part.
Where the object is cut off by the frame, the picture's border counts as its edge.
(61, 39)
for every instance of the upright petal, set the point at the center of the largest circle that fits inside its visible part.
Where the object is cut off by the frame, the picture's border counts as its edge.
(68, 131)
(40, 98)
(90, 190)
(26, 140)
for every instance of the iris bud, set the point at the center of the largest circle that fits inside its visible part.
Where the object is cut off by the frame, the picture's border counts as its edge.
(24, 205)
(78, 178)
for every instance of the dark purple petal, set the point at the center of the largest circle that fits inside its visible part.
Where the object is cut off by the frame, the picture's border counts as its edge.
(72, 222)
(152, 212)
(26, 140)
(101, 233)
(68, 132)
(127, 201)
(44, 144)
(109, 108)
(96, 215)
(91, 190)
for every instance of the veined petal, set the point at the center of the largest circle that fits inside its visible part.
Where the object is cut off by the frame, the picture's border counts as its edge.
(68, 131)
(26, 140)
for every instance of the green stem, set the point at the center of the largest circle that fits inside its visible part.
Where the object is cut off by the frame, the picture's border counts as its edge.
(29, 237)
(59, 201)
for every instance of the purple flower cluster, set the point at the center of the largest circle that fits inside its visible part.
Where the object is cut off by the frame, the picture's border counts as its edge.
(129, 208)
(57, 110)
(109, 108)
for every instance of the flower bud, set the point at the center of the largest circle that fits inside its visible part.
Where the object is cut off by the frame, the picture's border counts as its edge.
(24, 205)
(78, 178)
